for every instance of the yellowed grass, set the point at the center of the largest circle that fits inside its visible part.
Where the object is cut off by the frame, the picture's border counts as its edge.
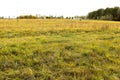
(56, 24)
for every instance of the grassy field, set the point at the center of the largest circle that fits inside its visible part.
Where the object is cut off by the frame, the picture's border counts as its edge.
(59, 50)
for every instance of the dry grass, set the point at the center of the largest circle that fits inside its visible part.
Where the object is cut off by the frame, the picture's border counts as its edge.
(59, 49)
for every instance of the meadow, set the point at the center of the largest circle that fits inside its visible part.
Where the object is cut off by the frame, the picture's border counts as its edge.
(59, 49)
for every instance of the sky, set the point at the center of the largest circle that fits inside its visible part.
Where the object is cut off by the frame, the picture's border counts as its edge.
(53, 7)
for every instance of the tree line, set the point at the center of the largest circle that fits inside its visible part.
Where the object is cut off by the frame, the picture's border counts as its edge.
(105, 14)
(49, 17)
(39, 17)
(100, 14)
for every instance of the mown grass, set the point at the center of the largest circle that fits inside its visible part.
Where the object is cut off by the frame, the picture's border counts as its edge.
(59, 50)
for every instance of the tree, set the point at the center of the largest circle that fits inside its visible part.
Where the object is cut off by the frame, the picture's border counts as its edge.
(115, 13)
(118, 14)
(100, 13)
(105, 14)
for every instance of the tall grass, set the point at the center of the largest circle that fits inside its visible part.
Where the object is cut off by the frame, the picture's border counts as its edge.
(59, 49)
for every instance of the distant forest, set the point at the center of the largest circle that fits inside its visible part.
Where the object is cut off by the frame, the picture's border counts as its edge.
(39, 17)
(105, 14)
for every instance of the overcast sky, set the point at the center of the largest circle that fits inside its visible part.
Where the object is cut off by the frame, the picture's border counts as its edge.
(53, 7)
